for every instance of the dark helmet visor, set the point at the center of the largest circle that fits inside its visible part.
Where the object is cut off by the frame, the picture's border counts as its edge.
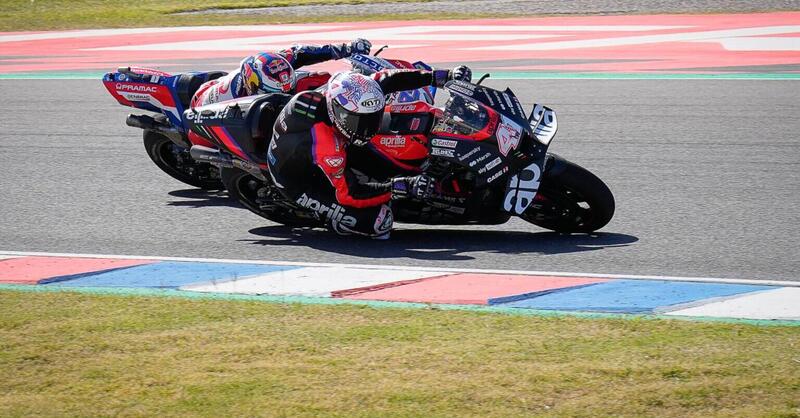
(357, 126)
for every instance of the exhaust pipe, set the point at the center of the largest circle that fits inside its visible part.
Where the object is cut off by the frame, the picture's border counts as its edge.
(211, 155)
(151, 124)
(143, 122)
(224, 160)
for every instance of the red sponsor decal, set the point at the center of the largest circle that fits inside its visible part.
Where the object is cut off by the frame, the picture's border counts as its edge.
(149, 71)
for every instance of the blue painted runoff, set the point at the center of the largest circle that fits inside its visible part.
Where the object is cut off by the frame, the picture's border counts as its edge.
(170, 274)
(631, 296)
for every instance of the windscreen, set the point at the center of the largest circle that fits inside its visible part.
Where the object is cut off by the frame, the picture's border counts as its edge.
(465, 116)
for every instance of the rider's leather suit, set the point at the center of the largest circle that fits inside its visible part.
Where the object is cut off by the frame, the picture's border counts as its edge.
(231, 87)
(308, 160)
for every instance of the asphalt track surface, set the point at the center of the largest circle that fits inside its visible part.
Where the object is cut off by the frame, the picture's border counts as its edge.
(705, 175)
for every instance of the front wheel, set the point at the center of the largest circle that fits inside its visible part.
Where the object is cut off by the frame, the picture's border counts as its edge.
(263, 199)
(570, 199)
(176, 161)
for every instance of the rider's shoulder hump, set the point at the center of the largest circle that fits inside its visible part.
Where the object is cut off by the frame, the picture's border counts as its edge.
(307, 103)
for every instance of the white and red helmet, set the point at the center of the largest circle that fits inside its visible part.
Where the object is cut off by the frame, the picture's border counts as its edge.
(267, 73)
(355, 106)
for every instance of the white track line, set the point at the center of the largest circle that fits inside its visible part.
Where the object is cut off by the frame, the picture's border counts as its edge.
(406, 268)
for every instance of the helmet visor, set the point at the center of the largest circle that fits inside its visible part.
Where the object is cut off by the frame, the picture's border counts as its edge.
(357, 126)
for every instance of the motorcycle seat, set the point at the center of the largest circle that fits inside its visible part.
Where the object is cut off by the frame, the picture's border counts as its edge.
(261, 118)
(188, 84)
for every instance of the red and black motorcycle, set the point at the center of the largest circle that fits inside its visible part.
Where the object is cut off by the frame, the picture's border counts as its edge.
(489, 159)
(166, 136)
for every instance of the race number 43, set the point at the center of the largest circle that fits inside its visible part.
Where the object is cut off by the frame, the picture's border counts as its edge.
(522, 189)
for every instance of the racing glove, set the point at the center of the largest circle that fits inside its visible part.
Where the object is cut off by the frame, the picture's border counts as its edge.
(419, 187)
(462, 72)
(358, 46)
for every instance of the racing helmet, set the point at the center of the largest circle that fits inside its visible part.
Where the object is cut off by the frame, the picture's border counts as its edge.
(267, 72)
(355, 106)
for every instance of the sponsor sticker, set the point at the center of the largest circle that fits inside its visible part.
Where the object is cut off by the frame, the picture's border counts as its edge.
(446, 143)
(490, 165)
(404, 108)
(469, 154)
(443, 152)
(393, 141)
(371, 103)
(136, 88)
(475, 162)
(460, 88)
(522, 189)
(333, 213)
(497, 175)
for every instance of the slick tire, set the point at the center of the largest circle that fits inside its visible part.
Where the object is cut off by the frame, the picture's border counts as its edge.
(170, 159)
(243, 187)
(570, 199)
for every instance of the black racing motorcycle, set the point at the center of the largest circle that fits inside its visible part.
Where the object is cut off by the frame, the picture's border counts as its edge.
(489, 160)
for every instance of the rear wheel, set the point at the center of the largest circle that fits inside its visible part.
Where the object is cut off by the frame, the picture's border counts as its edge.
(263, 199)
(570, 199)
(176, 161)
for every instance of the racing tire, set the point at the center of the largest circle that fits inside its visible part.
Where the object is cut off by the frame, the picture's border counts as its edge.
(244, 188)
(570, 199)
(176, 161)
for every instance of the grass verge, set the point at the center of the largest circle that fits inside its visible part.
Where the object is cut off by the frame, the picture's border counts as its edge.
(25, 15)
(79, 354)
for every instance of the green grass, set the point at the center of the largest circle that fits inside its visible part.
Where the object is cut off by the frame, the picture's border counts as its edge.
(22, 15)
(79, 354)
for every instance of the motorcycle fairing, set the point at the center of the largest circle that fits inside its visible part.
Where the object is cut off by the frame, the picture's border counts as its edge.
(156, 91)
(543, 123)
(523, 186)
(522, 142)
(242, 126)
(502, 102)
(147, 96)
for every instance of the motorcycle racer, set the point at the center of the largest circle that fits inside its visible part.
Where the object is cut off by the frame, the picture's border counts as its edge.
(308, 151)
(270, 72)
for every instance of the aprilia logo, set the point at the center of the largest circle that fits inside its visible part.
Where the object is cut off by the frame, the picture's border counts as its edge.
(393, 141)
(333, 213)
(139, 88)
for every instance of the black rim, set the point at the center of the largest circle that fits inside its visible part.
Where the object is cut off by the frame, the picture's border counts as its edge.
(177, 159)
(247, 187)
(268, 202)
(561, 208)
